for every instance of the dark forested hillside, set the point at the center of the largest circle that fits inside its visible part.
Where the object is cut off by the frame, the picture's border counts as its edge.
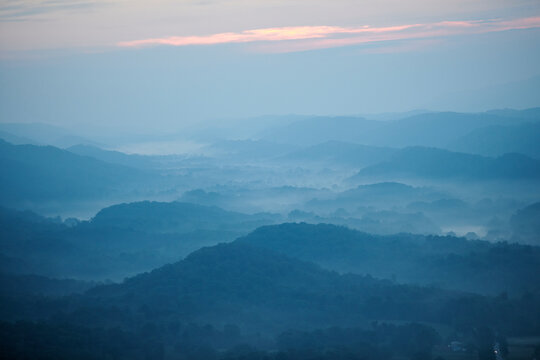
(261, 290)
(266, 292)
(120, 241)
(255, 295)
(445, 261)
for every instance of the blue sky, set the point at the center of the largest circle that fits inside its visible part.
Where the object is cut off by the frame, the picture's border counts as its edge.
(163, 64)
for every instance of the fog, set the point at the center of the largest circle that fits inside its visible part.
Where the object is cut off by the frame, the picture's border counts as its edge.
(369, 205)
(202, 180)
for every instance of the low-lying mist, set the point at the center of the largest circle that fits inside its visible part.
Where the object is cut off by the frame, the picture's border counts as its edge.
(292, 237)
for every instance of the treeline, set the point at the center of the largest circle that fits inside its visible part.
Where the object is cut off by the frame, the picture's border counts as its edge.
(187, 341)
(26, 340)
(444, 261)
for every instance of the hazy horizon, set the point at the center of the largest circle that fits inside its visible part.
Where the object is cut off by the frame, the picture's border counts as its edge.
(179, 63)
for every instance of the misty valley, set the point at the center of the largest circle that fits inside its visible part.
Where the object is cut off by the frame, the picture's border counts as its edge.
(404, 236)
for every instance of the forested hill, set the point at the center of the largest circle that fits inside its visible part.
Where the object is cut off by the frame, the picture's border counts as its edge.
(256, 295)
(170, 217)
(120, 241)
(445, 261)
(44, 173)
(266, 292)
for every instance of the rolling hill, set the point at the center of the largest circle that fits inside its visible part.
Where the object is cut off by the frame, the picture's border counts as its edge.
(499, 140)
(44, 173)
(432, 163)
(264, 292)
(449, 262)
(119, 241)
(114, 157)
(434, 129)
(177, 217)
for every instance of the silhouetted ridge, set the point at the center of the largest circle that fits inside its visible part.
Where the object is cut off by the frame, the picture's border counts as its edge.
(41, 173)
(426, 129)
(437, 163)
(264, 290)
(113, 157)
(498, 140)
(175, 217)
(449, 262)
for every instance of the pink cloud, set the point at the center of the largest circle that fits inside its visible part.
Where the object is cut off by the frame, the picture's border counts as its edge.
(269, 34)
(302, 38)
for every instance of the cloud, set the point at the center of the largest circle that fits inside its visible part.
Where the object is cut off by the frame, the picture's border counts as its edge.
(16, 10)
(269, 34)
(302, 38)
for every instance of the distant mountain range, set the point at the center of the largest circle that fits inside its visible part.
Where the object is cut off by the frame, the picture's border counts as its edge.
(41, 134)
(44, 173)
(127, 238)
(177, 217)
(373, 194)
(498, 140)
(120, 240)
(435, 129)
(115, 157)
(431, 163)
(319, 238)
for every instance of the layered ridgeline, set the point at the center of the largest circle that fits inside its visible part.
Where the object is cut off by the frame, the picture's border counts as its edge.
(254, 295)
(432, 163)
(262, 134)
(499, 140)
(119, 241)
(373, 195)
(294, 291)
(116, 157)
(125, 239)
(41, 134)
(442, 261)
(177, 217)
(263, 292)
(433, 129)
(36, 174)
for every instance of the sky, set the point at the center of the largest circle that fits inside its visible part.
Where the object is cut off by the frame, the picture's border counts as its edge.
(162, 64)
